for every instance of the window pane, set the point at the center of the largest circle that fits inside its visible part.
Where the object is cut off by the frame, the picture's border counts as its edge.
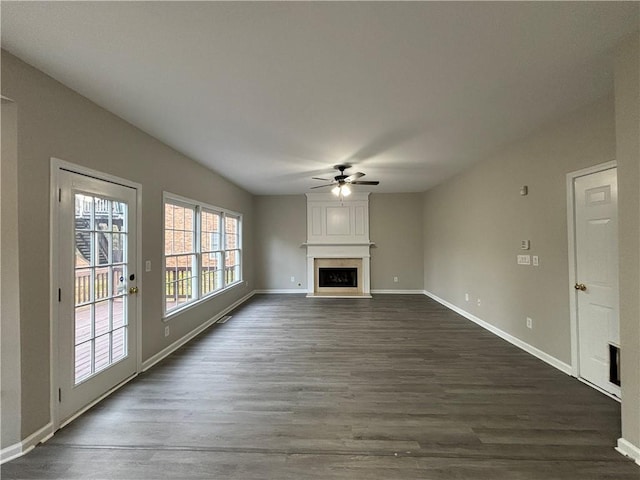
(118, 275)
(119, 216)
(168, 216)
(232, 266)
(83, 323)
(189, 215)
(210, 234)
(185, 290)
(212, 260)
(84, 249)
(171, 299)
(211, 272)
(119, 341)
(101, 283)
(83, 280)
(102, 214)
(102, 243)
(102, 354)
(179, 229)
(83, 361)
(231, 232)
(118, 318)
(118, 248)
(101, 316)
(84, 210)
(231, 258)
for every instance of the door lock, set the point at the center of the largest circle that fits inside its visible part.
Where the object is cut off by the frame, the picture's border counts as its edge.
(580, 286)
(133, 290)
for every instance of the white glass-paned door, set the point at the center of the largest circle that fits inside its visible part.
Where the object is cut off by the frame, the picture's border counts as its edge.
(98, 288)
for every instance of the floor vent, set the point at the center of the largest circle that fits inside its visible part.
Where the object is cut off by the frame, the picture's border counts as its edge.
(224, 319)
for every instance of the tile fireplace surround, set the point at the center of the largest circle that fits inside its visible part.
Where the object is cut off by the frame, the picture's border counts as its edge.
(338, 236)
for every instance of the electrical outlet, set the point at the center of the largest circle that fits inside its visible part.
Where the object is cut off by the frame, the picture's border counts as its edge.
(293, 279)
(395, 279)
(524, 259)
(166, 331)
(479, 302)
(466, 297)
(529, 322)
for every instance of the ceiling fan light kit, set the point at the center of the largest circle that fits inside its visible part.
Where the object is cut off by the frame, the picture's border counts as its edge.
(341, 183)
(341, 191)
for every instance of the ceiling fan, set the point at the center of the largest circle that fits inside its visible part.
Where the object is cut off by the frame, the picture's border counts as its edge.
(342, 182)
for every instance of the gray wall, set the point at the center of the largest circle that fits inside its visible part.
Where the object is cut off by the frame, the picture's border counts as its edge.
(54, 121)
(9, 288)
(473, 225)
(627, 92)
(395, 225)
(281, 229)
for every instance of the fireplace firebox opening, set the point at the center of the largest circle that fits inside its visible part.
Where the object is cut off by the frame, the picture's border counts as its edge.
(338, 277)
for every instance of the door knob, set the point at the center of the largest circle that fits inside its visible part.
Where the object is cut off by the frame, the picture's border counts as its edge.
(133, 290)
(580, 286)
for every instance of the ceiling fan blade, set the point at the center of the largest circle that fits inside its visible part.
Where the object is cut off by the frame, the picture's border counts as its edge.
(323, 179)
(353, 177)
(365, 182)
(320, 186)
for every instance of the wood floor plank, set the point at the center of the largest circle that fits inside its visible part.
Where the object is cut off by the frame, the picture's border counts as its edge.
(396, 386)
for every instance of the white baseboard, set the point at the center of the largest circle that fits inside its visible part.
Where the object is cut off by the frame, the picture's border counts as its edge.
(398, 292)
(282, 290)
(536, 352)
(10, 452)
(628, 449)
(151, 361)
(25, 446)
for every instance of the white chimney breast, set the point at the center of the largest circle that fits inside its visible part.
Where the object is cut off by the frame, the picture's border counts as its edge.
(330, 220)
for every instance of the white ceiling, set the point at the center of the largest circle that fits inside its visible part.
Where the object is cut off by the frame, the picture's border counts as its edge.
(271, 94)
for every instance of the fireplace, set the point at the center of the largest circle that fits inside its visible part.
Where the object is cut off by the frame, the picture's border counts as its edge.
(340, 277)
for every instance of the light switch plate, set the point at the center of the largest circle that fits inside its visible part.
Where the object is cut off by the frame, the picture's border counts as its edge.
(147, 266)
(536, 261)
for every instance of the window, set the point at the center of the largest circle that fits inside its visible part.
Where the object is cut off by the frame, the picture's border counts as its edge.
(202, 251)
(232, 249)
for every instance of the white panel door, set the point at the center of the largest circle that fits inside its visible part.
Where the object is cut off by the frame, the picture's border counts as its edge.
(98, 287)
(596, 216)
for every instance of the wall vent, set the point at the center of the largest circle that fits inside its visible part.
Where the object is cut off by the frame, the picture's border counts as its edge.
(614, 364)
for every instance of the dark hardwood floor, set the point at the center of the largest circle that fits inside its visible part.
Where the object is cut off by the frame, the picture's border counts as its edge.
(395, 387)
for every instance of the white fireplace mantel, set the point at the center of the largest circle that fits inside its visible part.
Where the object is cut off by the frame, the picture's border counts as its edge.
(338, 230)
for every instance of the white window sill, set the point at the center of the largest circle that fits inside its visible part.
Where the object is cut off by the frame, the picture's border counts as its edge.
(174, 313)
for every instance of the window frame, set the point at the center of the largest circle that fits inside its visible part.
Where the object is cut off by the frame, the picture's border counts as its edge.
(198, 297)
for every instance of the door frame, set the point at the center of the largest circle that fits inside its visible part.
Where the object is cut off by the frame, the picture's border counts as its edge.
(54, 245)
(573, 299)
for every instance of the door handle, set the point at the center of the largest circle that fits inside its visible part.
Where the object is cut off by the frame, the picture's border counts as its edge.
(580, 286)
(133, 290)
